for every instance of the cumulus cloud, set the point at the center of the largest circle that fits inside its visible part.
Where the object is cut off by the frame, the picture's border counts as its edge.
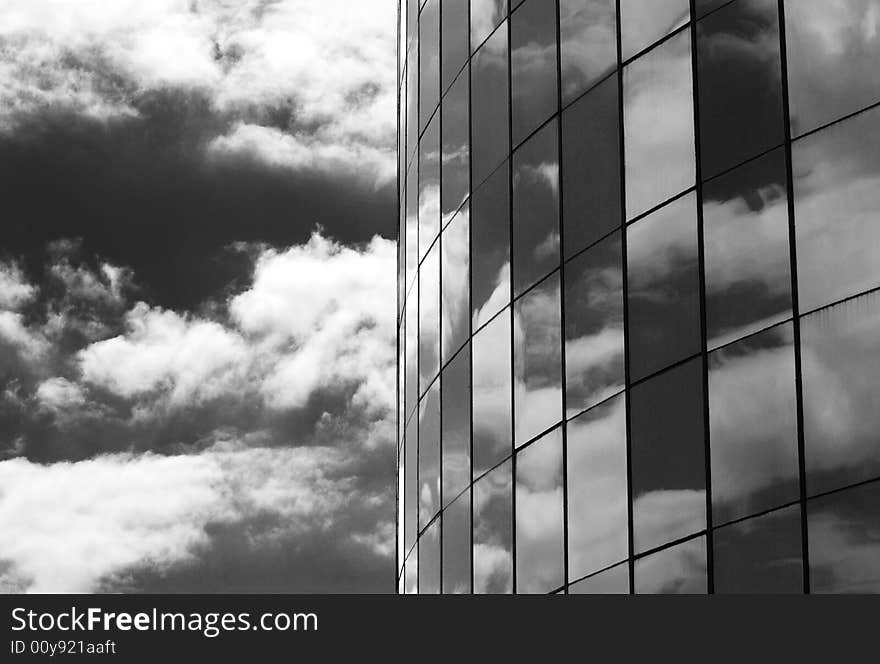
(290, 92)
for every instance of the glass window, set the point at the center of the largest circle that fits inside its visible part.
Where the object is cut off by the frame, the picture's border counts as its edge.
(740, 83)
(539, 539)
(456, 411)
(429, 318)
(411, 574)
(490, 247)
(598, 516)
(663, 295)
(412, 227)
(412, 357)
(412, 104)
(840, 357)
(703, 7)
(429, 187)
(588, 35)
(658, 119)
(536, 208)
(668, 456)
(429, 61)
(678, 570)
(753, 425)
(643, 22)
(489, 106)
(493, 532)
(844, 541)
(455, 304)
(761, 555)
(591, 167)
(614, 581)
(411, 488)
(836, 198)
(429, 560)
(833, 51)
(537, 353)
(429, 455)
(747, 254)
(534, 94)
(594, 326)
(456, 148)
(454, 28)
(486, 15)
(492, 416)
(457, 546)
(401, 507)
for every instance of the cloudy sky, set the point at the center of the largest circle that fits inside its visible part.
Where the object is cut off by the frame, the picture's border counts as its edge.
(197, 293)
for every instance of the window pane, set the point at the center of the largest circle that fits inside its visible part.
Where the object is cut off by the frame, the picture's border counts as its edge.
(833, 51)
(412, 104)
(591, 167)
(489, 111)
(594, 326)
(663, 297)
(836, 197)
(456, 148)
(536, 208)
(401, 507)
(429, 455)
(598, 517)
(457, 546)
(485, 16)
(411, 574)
(761, 555)
(412, 226)
(537, 356)
(412, 357)
(747, 254)
(411, 489)
(841, 363)
(533, 59)
(429, 61)
(677, 570)
(454, 17)
(492, 394)
(844, 541)
(429, 560)
(643, 22)
(668, 457)
(490, 247)
(429, 187)
(658, 118)
(455, 304)
(740, 80)
(539, 544)
(614, 581)
(588, 32)
(456, 388)
(753, 425)
(493, 535)
(429, 318)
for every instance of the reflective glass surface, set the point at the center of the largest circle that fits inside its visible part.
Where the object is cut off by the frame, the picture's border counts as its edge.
(594, 336)
(536, 208)
(457, 546)
(429, 560)
(429, 455)
(614, 581)
(455, 275)
(486, 15)
(539, 514)
(493, 531)
(490, 112)
(454, 31)
(533, 91)
(658, 119)
(663, 297)
(537, 361)
(678, 570)
(456, 425)
(429, 318)
(643, 22)
(753, 425)
(597, 489)
(588, 43)
(747, 254)
(490, 248)
(429, 61)
(591, 167)
(455, 166)
(429, 186)
(668, 457)
(492, 413)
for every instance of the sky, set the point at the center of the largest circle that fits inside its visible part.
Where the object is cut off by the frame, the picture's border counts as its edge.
(197, 295)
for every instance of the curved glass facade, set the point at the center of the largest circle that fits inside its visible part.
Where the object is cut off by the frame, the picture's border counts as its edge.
(639, 316)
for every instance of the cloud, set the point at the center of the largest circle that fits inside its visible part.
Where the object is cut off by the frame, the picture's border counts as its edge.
(291, 93)
(84, 526)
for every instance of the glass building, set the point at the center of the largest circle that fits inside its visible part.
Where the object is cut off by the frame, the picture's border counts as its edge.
(639, 315)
